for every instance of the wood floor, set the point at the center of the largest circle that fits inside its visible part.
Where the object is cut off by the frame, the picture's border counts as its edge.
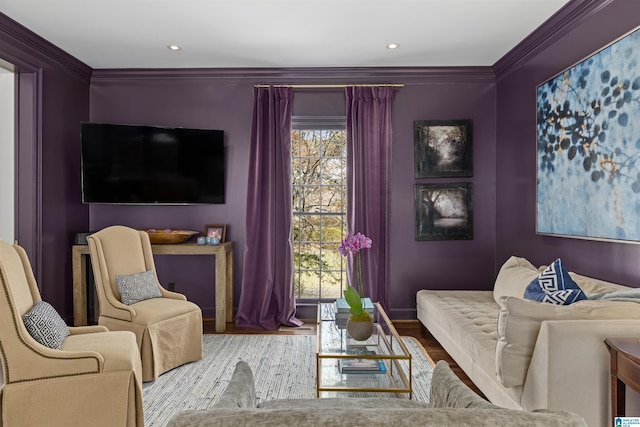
(411, 328)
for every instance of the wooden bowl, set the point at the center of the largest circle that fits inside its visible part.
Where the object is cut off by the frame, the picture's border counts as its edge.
(168, 237)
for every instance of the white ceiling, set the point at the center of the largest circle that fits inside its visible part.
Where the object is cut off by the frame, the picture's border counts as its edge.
(282, 33)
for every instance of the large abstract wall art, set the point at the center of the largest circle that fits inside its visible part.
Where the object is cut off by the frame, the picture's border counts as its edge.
(588, 147)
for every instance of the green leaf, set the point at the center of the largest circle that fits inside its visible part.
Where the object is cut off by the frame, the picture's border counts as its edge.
(352, 297)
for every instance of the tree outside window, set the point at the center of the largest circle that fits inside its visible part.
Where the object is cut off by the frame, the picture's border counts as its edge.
(319, 211)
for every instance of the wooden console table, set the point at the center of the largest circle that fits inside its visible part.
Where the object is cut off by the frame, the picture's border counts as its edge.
(625, 371)
(223, 282)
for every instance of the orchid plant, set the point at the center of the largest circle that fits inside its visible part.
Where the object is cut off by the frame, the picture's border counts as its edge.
(352, 245)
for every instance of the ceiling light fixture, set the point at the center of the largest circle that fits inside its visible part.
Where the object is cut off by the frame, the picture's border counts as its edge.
(393, 46)
(174, 47)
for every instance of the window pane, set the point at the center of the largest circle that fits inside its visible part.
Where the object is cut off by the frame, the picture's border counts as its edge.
(332, 171)
(306, 170)
(295, 144)
(333, 197)
(333, 229)
(306, 228)
(308, 284)
(313, 199)
(330, 257)
(309, 143)
(309, 256)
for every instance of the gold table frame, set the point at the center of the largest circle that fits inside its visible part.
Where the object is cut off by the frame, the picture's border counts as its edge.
(333, 343)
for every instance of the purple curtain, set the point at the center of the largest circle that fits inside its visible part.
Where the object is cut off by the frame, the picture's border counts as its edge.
(267, 298)
(369, 136)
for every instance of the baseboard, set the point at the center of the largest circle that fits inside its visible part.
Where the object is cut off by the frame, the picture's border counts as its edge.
(406, 321)
(396, 314)
(303, 327)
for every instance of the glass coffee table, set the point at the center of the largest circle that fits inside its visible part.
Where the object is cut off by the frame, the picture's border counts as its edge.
(378, 366)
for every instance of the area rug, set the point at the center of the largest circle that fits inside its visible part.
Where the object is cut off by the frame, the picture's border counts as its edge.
(284, 367)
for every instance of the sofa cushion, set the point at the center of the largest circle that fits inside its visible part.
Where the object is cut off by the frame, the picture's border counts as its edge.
(241, 390)
(45, 325)
(554, 286)
(154, 310)
(138, 287)
(118, 349)
(513, 278)
(447, 391)
(519, 323)
(378, 417)
(591, 286)
(465, 324)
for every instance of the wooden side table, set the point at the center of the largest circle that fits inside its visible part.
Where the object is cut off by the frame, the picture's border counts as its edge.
(625, 371)
(223, 280)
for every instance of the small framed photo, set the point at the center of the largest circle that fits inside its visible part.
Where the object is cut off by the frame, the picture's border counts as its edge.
(442, 148)
(444, 211)
(216, 230)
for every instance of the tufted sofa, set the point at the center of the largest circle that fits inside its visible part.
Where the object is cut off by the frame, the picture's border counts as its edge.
(451, 404)
(525, 354)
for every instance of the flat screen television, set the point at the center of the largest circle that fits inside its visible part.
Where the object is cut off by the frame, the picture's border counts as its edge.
(126, 164)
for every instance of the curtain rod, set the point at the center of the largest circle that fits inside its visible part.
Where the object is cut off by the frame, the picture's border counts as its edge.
(332, 85)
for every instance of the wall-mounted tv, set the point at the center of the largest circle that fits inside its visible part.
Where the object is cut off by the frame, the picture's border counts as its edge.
(126, 164)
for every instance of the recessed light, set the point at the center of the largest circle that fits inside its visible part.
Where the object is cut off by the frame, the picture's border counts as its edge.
(393, 46)
(174, 47)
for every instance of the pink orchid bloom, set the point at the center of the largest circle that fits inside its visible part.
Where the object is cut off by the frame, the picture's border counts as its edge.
(352, 244)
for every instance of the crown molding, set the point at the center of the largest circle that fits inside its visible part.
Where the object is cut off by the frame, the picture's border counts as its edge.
(557, 26)
(29, 51)
(318, 75)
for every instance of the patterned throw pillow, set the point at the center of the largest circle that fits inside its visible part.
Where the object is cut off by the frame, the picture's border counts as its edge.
(45, 325)
(555, 286)
(138, 287)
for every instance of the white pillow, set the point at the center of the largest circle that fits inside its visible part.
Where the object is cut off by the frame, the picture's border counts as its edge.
(138, 287)
(514, 277)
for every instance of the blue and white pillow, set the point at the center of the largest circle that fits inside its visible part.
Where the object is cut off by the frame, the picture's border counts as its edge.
(555, 286)
(138, 287)
(45, 325)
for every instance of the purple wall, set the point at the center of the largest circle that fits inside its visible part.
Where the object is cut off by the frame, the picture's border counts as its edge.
(221, 100)
(53, 97)
(461, 264)
(184, 102)
(65, 104)
(516, 152)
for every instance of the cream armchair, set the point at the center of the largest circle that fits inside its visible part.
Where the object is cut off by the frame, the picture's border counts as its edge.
(93, 378)
(168, 328)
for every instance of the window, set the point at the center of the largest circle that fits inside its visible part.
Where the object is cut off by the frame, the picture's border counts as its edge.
(319, 162)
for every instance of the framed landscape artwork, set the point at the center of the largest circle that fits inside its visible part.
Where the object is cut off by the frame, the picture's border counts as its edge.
(442, 148)
(444, 211)
(588, 147)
